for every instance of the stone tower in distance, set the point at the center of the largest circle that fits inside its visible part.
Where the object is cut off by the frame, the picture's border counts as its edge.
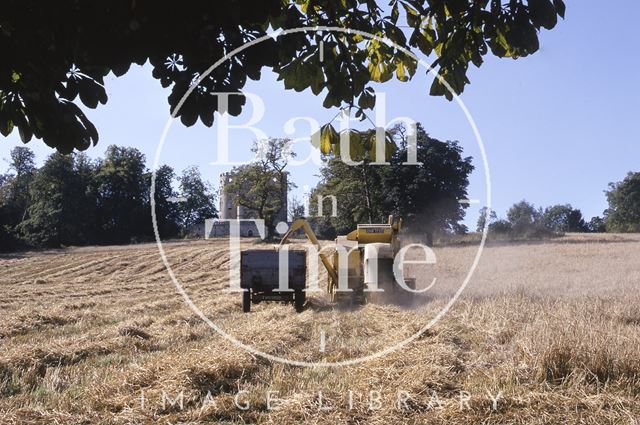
(228, 212)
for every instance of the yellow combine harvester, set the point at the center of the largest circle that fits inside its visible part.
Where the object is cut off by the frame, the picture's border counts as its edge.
(363, 259)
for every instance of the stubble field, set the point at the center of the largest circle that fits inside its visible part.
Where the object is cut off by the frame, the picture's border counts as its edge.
(544, 333)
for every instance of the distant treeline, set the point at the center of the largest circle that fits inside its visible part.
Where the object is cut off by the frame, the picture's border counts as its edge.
(73, 200)
(525, 220)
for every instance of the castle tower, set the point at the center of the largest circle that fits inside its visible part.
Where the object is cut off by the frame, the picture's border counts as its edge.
(226, 210)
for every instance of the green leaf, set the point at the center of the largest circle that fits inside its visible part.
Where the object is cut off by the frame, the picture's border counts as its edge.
(25, 133)
(560, 7)
(456, 7)
(396, 35)
(402, 76)
(89, 128)
(413, 17)
(6, 124)
(331, 100)
(437, 88)
(328, 136)
(356, 145)
(317, 80)
(206, 113)
(324, 138)
(525, 37)
(367, 100)
(91, 92)
(500, 46)
(355, 138)
(543, 13)
(375, 71)
(120, 69)
(188, 113)
(394, 13)
(325, 144)
(438, 48)
(332, 135)
(423, 39)
(389, 147)
(6, 127)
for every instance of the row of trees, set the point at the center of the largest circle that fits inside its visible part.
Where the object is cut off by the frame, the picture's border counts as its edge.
(73, 200)
(525, 220)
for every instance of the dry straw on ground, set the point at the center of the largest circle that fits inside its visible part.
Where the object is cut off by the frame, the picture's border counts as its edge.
(548, 330)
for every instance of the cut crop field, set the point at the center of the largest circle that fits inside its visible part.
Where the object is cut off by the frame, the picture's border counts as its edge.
(545, 332)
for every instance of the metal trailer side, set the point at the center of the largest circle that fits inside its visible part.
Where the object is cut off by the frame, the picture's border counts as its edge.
(260, 276)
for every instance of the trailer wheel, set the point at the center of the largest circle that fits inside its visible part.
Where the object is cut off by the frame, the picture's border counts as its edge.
(246, 301)
(299, 299)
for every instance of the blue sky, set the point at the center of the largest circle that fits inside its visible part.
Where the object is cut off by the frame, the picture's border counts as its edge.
(557, 126)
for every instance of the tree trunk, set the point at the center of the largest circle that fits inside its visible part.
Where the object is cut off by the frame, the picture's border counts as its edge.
(428, 236)
(283, 192)
(367, 193)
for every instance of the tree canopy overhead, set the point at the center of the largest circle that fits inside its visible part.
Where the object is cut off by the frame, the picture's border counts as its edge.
(56, 54)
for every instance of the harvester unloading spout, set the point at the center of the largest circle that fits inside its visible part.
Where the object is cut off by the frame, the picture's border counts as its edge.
(361, 259)
(301, 223)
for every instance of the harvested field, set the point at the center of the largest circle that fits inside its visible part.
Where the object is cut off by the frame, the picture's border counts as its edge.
(545, 333)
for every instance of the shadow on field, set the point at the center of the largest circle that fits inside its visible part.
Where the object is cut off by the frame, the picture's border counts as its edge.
(12, 255)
